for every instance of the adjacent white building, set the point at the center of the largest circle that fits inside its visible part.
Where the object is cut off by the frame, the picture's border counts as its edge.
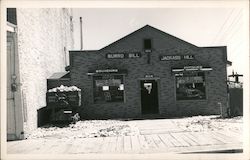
(38, 41)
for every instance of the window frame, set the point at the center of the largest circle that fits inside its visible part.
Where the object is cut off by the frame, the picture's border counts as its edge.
(196, 100)
(106, 102)
(152, 44)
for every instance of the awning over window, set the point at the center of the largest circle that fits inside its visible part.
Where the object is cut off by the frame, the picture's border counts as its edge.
(107, 71)
(192, 68)
(193, 65)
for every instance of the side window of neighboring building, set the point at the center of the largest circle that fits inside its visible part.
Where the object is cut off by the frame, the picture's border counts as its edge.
(108, 88)
(191, 86)
(11, 15)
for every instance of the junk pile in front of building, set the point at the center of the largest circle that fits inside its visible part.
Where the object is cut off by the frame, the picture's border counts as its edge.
(150, 72)
(63, 104)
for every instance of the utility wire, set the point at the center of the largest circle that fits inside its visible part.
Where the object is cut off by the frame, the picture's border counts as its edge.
(228, 30)
(232, 31)
(235, 30)
(219, 32)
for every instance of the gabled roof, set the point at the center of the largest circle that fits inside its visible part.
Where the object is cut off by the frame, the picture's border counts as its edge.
(143, 28)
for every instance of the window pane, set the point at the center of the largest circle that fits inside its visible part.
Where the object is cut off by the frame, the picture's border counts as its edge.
(108, 88)
(11, 15)
(190, 87)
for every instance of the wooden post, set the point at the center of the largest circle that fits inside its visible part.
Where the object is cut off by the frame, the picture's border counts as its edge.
(81, 33)
(221, 110)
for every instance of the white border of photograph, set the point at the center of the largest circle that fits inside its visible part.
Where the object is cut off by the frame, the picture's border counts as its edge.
(244, 4)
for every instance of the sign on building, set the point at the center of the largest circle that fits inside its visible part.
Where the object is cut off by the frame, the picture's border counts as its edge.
(176, 57)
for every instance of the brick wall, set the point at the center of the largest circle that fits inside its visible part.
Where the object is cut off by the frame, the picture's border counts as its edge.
(44, 38)
(163, 44)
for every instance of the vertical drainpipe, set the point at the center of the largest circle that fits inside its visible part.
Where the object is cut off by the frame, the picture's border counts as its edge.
(81, 33)
(65, 56)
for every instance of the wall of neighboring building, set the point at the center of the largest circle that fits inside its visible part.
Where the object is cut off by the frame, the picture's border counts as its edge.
(216, 89)
(44, 38)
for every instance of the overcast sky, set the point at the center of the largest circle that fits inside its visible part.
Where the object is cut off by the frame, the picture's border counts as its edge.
(199, 26)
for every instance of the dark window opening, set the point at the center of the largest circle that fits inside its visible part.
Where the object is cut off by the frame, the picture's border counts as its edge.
(11, 15)
(147, 44)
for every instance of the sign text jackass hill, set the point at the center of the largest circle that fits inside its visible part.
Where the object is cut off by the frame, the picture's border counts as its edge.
(176, 57)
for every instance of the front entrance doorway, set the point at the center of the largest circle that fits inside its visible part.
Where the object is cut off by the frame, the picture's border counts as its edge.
(149, 97)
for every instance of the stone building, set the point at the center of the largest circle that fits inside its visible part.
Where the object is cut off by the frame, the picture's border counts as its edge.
(38, 41)
(151, 73)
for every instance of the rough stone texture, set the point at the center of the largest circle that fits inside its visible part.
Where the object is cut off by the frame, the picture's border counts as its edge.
(44, 38)
(163, 44)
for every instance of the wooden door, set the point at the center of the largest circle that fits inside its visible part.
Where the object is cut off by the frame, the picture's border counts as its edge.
(14, 105)
(149, 97)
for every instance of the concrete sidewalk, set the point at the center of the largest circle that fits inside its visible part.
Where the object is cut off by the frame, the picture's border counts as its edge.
(161, 136)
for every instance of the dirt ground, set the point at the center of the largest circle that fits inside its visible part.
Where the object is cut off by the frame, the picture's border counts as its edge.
(150, 136)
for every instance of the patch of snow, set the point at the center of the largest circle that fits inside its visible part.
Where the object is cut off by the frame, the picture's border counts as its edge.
(209, 123)
(63, 88)
(109, 128)
(87, 129)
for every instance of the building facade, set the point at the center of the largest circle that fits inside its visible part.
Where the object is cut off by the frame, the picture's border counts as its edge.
(38, 41)
(150, 72)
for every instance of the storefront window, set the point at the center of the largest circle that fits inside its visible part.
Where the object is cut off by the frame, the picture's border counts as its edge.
(108, 88)
(191, 86)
